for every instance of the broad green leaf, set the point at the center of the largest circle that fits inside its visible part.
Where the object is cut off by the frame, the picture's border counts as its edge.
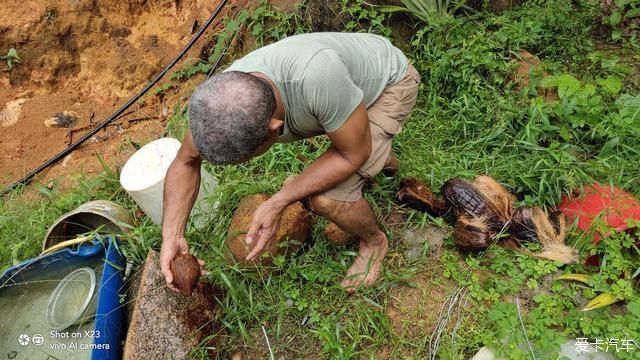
(615, 18)
(621, 3)
(550, 81)
(609, 148)
(634, 308)
(612, 84)
(568, 85)
(501, 36)
(588, 90)
(565, 134)
(616, 35)
(632, 13)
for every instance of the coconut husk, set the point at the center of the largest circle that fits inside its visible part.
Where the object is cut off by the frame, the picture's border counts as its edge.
(472, 233)
(295, 227)
(526, 64)
(338, 236)
(533, 224)
(496, 194)
(417, 195)
(558, 252)
(522, 227)
(466, 200)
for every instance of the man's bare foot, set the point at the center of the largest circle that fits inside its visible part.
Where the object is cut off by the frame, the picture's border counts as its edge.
(391, 166)
(366, 268)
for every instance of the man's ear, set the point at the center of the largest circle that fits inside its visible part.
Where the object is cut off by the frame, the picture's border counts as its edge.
(275, 124)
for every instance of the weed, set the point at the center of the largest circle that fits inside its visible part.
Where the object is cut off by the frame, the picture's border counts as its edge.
(191, 68)
(363, 16)
(429, 10)
(11, 59)
(267, 25)
(624, 18)
(161, 90)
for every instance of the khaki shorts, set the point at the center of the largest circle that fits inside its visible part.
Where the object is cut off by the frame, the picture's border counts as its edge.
(386, 116)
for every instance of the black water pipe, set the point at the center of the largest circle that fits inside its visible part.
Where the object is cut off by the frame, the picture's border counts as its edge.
(28, 177)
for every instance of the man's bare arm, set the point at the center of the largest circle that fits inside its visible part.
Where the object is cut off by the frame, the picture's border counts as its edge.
(181, 186)
(350, 149)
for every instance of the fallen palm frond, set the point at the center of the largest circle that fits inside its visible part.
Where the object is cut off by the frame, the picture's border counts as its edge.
(600, 301)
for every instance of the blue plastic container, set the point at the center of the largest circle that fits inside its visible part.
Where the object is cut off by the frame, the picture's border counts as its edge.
(107, 331)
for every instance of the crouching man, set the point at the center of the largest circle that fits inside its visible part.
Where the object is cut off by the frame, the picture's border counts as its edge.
(355, 88)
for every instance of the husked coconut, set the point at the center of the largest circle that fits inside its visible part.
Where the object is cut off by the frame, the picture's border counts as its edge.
(186, 273)
(338, 236)
(295, 227)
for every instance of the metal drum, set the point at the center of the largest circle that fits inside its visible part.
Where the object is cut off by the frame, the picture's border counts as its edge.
(102, 215)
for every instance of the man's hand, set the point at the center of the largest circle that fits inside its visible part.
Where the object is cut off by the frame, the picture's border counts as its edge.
(168, 252)
(264, 226)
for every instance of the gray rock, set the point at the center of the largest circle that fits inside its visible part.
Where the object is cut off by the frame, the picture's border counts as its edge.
(567, 352)
(65, 119)
(416, 238)
(11, 112)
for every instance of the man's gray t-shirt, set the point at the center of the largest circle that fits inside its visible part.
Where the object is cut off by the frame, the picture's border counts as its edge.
(323, 77)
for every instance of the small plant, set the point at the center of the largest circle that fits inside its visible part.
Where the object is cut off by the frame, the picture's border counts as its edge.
(190, 69)
(363, 16)
(429, 10)
(624, 18)
(161, 90)
(267, 24)
(11, 59)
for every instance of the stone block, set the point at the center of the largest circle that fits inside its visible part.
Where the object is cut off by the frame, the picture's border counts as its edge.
(169, 325)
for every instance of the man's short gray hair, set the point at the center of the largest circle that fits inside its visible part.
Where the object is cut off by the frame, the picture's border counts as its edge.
(229, 115)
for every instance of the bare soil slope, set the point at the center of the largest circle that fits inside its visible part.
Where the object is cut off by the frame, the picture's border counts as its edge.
(88, 57)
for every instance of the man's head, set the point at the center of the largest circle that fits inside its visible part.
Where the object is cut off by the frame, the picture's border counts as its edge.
(229, 116)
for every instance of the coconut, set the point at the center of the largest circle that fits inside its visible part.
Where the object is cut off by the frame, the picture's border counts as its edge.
(417, 195)
(533, 224)
(295, 227)
(467, 200)
(472, 233)
(186, 273)
(528, 65)
(338, 236)
(496, 193)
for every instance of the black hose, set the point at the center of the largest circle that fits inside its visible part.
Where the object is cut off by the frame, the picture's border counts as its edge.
(28, 177)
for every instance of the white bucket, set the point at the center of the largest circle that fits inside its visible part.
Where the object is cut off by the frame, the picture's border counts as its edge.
(142, 177)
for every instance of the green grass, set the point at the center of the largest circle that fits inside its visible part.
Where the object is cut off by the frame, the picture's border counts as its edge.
(468, 121)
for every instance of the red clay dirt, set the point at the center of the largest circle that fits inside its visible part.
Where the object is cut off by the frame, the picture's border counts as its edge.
(90, 57)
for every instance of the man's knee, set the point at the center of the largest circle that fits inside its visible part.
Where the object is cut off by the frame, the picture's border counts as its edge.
(324, 205)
